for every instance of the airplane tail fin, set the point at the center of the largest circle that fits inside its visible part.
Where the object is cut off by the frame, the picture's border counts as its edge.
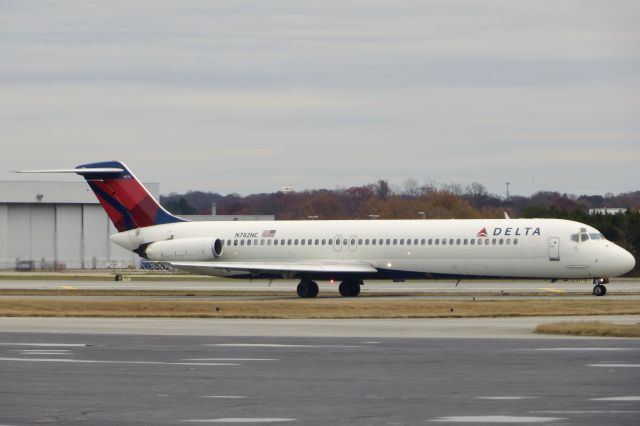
(125, 200)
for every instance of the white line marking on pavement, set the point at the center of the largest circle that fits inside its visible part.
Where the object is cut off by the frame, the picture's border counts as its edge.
(63, 345)
(617, 398)
(615, 365)
(240, 420)
(275, 345)
(583, 412)
(504, 398)
(585, 349)
(496, 419)
(92, 361)
(230, 359)
(224, 396)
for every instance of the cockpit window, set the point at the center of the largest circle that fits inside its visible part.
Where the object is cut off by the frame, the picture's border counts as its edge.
(575, 237)
(584, 237)
(594, 236)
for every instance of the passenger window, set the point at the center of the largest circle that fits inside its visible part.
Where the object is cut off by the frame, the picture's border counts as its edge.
(289, 242)
(235, 242)
(402, 241)
(345, 242)
(269, 242)
(330, 242)
(473, 241)
(493, 241)
(353, 241)
(241, 242)
(508, 241)
(437, 241)
(486, 242)
(248, 242)
(423, 241)
(261, 242)
(458, 242)
(302, 242)
(282, 242)
(388, 242)
(515, 241)
(408, 241)
(380, 242)
(430, 241)
(501, 241)
(451, 242)
(228, 242)
(395, 241)
(444, 242)
(466, 241)
(324, 241)
(366, 242)
(317, 241)
(275, 242)
(360, 241)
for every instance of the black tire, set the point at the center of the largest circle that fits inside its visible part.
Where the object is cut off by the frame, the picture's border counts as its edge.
(604, 289)
(313, 289)
(349, 288)
(307, 289)
(599, 290)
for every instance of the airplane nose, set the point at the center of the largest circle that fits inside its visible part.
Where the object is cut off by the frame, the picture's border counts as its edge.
(627, 261)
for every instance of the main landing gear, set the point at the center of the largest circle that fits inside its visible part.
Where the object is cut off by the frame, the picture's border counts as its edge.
(598, 288)
(307, 288)
(348, 288)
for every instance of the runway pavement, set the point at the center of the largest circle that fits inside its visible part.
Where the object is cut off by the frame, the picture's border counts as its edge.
(538, 286)
(93, 379)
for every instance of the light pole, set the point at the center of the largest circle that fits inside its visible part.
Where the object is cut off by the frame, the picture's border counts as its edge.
(507, 183)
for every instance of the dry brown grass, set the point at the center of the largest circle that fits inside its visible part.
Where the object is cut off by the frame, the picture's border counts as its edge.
(590, 328)
(316, 308)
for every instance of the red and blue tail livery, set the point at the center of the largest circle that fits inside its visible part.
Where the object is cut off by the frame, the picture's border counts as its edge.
(125, 200)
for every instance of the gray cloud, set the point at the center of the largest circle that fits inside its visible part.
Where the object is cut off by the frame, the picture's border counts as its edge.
(249, 96)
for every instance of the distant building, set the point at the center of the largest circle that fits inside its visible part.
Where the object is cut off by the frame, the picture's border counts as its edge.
(608, 210)
(228, 217)
(61, 225)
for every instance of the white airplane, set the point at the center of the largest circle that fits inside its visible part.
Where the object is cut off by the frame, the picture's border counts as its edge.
(351, 251)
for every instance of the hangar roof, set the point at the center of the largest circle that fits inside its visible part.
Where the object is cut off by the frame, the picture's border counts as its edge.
(54, 192)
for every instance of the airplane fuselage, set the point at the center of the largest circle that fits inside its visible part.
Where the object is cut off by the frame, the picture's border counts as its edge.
(398, 249)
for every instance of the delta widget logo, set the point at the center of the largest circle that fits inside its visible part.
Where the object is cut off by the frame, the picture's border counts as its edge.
(482, 233)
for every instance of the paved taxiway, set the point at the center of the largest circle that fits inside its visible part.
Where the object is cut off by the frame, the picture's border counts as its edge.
(90, 379)
(539, 286)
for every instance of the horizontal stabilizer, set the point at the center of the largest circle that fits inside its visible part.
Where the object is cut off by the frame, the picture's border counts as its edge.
(80, 171)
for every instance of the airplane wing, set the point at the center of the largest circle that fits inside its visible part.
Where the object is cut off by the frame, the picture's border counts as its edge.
(284, 268)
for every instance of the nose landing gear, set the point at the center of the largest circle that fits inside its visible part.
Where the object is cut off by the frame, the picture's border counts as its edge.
(598, 288)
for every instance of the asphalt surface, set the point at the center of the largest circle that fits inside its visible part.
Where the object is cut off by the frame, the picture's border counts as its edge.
(90, 379)
(539, 286)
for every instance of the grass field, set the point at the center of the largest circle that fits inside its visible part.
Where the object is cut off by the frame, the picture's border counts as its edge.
(293, 307)
(590, 328)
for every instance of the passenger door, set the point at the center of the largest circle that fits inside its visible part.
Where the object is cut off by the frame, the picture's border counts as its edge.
(554, 249)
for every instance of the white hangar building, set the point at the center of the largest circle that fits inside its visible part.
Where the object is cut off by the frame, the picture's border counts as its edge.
(58, 225)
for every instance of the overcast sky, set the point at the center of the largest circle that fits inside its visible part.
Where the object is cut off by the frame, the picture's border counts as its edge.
(249, 96)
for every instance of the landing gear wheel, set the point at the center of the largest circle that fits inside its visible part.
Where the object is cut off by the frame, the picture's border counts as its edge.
(350, 288)
(599, 290)
(307, 289)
